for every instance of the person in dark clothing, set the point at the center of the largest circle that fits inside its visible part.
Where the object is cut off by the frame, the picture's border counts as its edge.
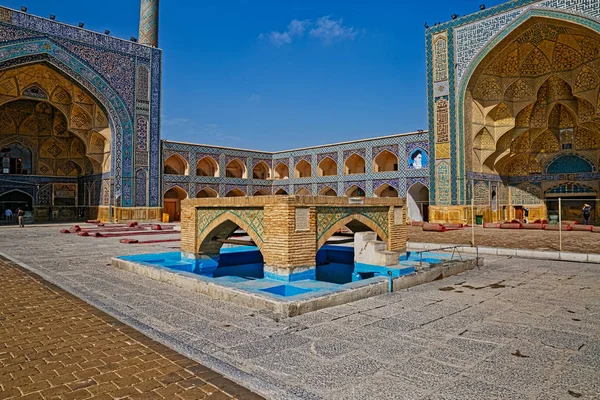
(20, 216)
(587, 212)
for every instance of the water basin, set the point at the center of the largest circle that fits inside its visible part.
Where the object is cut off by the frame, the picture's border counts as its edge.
(286, 290)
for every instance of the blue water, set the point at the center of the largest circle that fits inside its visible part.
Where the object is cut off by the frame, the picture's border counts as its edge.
(243, 267)
(286, 290)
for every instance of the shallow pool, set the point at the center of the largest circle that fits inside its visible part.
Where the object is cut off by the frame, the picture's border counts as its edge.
(242, 267)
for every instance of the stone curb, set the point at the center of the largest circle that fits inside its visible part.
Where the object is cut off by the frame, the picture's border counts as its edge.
(520, 253)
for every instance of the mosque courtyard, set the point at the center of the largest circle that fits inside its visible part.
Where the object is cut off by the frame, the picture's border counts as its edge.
(513, 329)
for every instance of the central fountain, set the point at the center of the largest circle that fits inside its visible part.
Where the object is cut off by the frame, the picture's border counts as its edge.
(288, 254)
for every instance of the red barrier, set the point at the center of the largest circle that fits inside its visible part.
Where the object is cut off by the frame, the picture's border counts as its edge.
(555, 227)
(75, 228)
(156, 227)
(495, 225)
(534, 226)
(511, 225)
(83, 234)
(427, 227)
(65, 231)
(417, 223)
(582, 228)
(92, 221)
(453, 226)
(128, 241)
(596, 229)
(132, 224)
(97, 234)
(540, 221)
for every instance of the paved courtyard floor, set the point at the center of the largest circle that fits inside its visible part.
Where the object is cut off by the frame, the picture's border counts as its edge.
(578, 242)
(55, 346)
(514, 329)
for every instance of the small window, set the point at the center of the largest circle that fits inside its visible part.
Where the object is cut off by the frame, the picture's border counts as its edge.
(16, 159)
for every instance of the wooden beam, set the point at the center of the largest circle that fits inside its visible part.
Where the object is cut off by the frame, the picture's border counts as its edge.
(236, 241)
(339, 241)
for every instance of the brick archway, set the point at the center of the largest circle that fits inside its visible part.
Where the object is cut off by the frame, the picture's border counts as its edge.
(331, 221)
(323, 237)
(222, 223)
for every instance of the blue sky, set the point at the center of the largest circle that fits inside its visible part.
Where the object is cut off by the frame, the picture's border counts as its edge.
(276, 75)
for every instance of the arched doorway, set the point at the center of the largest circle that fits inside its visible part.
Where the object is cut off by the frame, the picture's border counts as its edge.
(176, 165)
(206, 192)
(281, 192)
(529, 109)
(235, 169)
(282, 171)
(38, 140)
(385, 162)
(355, 191)
(14, 200)
(261, 171)
(303, 192)
(62, 117)
(327, 167)
(172, 202)
(418, 202)
(235, 193)
(386, 190)
(262, 192)
(207, 166)
(303, 169)
(355, 164)
(327, 191)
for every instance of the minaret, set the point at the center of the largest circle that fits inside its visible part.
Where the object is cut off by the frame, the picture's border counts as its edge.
(149, 23)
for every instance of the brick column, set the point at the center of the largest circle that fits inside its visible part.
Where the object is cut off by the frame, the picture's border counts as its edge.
(189, 241)
(289, 253)
(397, 228)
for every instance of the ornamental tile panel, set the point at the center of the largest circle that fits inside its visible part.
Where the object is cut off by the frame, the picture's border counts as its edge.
(253, 217)
(327, 217)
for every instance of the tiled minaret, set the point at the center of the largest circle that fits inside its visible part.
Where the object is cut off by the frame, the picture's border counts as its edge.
(149, 23)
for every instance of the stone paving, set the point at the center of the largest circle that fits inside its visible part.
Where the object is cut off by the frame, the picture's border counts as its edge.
(578, 242)
(515, 329)
(55, 346)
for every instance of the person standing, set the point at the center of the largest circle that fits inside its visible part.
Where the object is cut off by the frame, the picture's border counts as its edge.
(8, 214)
(20, 217)
(587, 212)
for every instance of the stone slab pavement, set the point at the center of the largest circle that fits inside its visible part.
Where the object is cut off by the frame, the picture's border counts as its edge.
(514, 329)
(572, 241)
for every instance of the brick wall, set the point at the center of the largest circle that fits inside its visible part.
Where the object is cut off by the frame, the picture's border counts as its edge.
(282, 245)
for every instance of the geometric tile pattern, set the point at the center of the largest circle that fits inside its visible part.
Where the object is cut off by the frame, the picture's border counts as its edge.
(106, 67)
(148, 33)
(368, 181)
(329, 216)
(571, 187)
(468, 39)
(253, 217)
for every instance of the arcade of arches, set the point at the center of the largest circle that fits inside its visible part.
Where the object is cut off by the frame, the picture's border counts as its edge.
(532, 120)
(54, 145)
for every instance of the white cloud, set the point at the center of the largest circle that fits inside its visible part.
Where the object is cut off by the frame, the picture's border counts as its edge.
(325, 29)
(330, 31)
(295, 29)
